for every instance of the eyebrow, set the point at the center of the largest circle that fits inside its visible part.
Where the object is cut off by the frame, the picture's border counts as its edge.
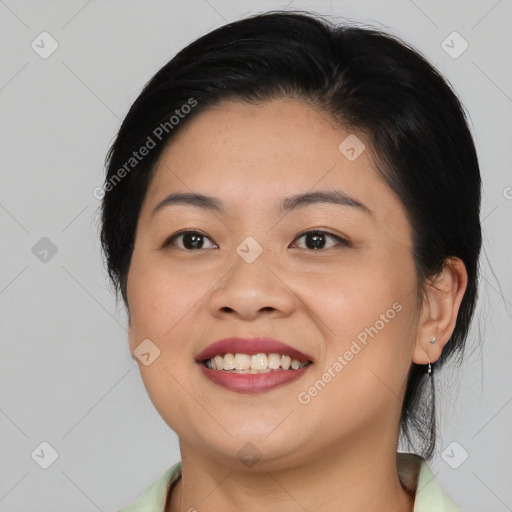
(294, 202)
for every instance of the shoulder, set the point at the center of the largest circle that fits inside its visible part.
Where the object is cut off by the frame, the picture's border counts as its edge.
(154, 497)
(416, 475)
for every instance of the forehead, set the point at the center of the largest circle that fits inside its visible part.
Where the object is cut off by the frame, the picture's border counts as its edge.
(251, 156)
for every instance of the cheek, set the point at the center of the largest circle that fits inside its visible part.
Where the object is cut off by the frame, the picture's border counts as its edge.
(356, 296)
(160, 301)
(368, 315)
(161, 310)
(361, 377)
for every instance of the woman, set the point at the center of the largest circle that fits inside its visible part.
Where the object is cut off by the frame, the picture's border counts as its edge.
(291, 215)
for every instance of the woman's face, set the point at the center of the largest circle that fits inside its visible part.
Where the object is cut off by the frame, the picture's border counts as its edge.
(345, 297)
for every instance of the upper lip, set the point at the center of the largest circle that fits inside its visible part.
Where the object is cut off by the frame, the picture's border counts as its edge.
(260, 345)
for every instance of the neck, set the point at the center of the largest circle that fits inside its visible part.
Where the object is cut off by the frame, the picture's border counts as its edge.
(358, 477)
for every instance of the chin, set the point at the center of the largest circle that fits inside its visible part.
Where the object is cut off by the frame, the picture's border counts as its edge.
(255, 446)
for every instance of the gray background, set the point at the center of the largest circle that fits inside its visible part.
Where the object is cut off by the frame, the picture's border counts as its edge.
(66, 374)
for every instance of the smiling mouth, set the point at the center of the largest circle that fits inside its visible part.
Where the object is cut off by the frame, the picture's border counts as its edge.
(240, 363)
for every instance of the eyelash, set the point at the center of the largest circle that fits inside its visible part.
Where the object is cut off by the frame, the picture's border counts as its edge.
(341, 241)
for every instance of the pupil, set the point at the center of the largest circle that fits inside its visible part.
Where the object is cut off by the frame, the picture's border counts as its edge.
(194, 240)
(317, 239)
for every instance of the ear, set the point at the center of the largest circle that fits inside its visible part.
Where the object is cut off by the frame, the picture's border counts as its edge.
(439, 310)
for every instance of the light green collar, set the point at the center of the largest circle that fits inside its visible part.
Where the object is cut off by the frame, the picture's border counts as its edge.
(415, 474)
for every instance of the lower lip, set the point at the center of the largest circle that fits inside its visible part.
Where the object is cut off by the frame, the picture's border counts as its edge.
(252, 382)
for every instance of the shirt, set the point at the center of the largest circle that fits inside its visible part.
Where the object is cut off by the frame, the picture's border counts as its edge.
(413, 471)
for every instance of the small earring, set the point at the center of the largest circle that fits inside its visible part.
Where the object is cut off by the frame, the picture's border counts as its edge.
(433, 340)
(429, 366)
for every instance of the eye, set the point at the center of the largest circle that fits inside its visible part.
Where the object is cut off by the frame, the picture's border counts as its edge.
(192, 240)
(316, 239)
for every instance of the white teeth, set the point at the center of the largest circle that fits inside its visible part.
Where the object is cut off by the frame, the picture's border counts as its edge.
(219, 362)
(229, 362)
(274, 360)
(242, 361)
(256, 363)
(259, 362)
(285, 362)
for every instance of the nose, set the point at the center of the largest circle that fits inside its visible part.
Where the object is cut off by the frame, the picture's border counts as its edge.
(250, 290)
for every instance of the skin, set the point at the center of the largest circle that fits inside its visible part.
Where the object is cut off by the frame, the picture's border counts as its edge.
(337, 452)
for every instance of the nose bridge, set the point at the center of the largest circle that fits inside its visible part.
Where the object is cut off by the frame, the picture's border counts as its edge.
(251, 262)
(250, 250)
(251, 285)
(254, 233)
